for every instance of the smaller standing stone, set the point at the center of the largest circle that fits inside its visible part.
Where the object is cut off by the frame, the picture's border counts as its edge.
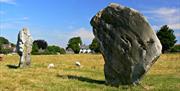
(24, 47)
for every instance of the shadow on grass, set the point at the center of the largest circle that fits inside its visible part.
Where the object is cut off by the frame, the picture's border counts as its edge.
(101, 82)
(83, 79)
(12, 66)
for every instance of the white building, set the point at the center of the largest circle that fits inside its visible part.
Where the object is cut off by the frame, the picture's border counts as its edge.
(84, 49)
(69, 51)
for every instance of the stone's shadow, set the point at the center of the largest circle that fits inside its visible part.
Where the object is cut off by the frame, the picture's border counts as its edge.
(12, 66)
(83, 79)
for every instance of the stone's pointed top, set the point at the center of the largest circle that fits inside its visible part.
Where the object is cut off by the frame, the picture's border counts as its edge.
(134, 10)
(114, 5)
(25, 28)
(26, 31)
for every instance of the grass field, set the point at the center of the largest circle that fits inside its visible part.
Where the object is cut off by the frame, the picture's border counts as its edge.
(163, 76)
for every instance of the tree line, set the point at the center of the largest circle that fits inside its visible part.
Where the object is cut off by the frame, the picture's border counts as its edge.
(41, 46)
(165, 35)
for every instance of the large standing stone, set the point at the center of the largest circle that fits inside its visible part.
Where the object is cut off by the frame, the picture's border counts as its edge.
(24, 47)
(128, 43)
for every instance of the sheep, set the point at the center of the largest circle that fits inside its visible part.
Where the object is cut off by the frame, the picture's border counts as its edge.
(77, 63)
(50, 66)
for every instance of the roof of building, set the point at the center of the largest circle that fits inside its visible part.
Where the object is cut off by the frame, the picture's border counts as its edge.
(84, 46)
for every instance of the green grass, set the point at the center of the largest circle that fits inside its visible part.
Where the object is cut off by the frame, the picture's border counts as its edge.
(163, 76)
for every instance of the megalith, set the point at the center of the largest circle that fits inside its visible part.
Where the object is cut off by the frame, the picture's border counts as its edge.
(128, 44)
(24, 47)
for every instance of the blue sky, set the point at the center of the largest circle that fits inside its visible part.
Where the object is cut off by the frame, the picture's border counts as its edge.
(58, 20)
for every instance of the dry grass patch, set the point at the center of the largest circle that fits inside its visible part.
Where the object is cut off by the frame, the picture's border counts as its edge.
(65, 76)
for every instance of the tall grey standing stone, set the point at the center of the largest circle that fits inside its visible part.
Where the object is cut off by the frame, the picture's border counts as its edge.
(128, 44)
(24, 47)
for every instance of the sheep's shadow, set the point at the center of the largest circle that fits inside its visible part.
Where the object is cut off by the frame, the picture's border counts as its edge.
(83, 79)
(12, 66)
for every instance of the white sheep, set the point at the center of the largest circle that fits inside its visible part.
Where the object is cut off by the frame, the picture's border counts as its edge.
(77, 63)
(51, 66)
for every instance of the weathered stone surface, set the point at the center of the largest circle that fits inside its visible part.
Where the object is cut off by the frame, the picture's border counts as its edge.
(128, 43)
(24, 47)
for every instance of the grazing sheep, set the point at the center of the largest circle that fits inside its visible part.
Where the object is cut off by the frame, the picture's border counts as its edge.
(78, 64)
(51, 66)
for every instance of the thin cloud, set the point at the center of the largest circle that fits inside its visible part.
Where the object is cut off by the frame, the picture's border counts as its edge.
(25, 18)
(175, 26)
(84, 34)
(5, 26)
(13, 23)
(155, 27)
(60, 37)
(8, 1)
(169, 16)
(163, 11)
(178, 34)
(2, 12)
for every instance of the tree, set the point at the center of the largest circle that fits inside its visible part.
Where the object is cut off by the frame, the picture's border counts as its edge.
(62, 51)
(166, 37)
(35, 49)
(176, 48)
(55, 49)
(42, 44)
(74, 43)
(95, 46)
(3, 41)
(5, 51)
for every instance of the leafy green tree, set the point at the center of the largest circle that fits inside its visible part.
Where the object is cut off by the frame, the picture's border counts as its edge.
(35, 49)
(167, 38)
(42, 44)
(3, 41)
(176, 48)
(5, 51)
(53, 49)
(95, 46)
(74, 43)
(13, 45)
(62, 51)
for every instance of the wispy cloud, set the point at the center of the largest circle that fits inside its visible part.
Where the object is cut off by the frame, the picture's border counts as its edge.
(60, 37)
(13, 23)
(168, 16)
(83, 33)
(4, 26)
(175, 26)
(2, 12)
(25, 18)
(8, 1)
(155, 27)
(163, 11)
(178, 34)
